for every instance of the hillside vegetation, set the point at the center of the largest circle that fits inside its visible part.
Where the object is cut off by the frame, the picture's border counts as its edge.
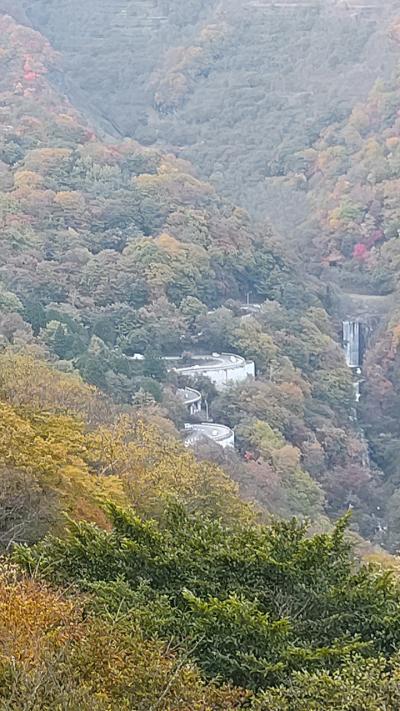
(135, 573)
(281, 620)
(65, 449)
(112, 249)
(352, 176)
(235, 87)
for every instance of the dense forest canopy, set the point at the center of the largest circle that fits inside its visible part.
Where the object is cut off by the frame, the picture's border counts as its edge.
(139, 144)
(236, 87)
(111, 250)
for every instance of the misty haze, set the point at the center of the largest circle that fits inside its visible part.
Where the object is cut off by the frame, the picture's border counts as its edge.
(199, 355)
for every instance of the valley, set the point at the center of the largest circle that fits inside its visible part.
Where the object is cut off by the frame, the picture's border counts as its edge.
(199, 355)
(295, 339)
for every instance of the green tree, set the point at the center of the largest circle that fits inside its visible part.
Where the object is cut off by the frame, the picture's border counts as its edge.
(256, 605)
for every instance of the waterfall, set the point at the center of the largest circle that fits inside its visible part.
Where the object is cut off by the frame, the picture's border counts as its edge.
(365, 458)
(352, 343)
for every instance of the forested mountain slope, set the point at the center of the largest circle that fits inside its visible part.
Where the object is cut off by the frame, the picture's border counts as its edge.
(109, 250)
(135, 574)
(352, 175)
(236, 86)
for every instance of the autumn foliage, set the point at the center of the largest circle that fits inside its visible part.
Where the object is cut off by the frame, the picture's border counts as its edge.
(56, 656)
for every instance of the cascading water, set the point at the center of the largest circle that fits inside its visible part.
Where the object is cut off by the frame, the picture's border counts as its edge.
(352, 343)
